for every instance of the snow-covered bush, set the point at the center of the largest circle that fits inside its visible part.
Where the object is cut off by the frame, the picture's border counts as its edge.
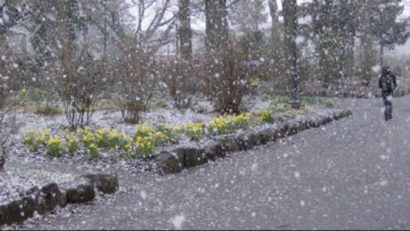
(78, 84)
(136, 80)
(226, 79)
(180, 79)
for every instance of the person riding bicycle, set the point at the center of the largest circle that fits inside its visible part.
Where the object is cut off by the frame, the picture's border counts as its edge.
(387, 83)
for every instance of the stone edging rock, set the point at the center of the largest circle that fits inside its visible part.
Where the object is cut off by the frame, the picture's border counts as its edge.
(50, 196)
(179, 158)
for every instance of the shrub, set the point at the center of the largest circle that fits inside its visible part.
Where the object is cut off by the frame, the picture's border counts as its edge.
(137, 81)
(78, 85)
(226, 79)
(177, 74)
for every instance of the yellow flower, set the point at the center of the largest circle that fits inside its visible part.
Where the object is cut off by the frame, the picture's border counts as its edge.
(144, 130)
(100, 132)
(88, 138)
(218, 124)
(46, 133)
(55, 140)
(28, 139)
(38, 139)
(266, 115)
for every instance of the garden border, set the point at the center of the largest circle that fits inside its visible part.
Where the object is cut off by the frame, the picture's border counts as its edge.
(183, 157)
(171, 161)
(46, 199)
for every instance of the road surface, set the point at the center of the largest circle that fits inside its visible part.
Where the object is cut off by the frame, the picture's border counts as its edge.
(350, 174)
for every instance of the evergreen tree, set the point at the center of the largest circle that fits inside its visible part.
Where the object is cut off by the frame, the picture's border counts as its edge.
(386, 29)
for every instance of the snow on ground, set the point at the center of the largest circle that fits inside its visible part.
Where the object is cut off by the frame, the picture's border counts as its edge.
(20, 179)
(26, 171)
(111, 120)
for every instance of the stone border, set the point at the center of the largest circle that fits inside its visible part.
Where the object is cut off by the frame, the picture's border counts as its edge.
(50, 196)
(179, 158)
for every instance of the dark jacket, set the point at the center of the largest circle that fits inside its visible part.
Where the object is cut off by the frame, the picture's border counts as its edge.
(387, 83)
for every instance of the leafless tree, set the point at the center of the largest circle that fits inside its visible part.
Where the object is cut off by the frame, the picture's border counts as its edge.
(135, 71)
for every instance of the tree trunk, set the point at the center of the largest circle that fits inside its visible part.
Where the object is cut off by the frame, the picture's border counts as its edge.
(366, 44)
(216, 25)
(184, 30)
(273, 10)
(290, 28)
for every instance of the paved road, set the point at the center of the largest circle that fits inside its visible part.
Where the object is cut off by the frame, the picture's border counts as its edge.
(350, 174)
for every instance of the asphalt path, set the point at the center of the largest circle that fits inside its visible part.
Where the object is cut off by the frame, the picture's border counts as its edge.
(350, 174)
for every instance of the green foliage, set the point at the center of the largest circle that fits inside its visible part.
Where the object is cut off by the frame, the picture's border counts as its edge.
(93, 152)
(266, 116)
(54, 146)
(385, 26)
(243, 120)
(144, 146)
(194, 131)
(218, 125)
(72, 143)
(36, 138)
(173, 133)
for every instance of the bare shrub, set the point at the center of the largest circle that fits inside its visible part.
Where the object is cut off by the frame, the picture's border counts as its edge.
(136, 82)
(226, 79)
(180, 79)
(77, 84)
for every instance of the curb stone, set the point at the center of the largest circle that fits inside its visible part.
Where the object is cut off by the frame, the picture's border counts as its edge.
(104, 183)
(50, 196)
(177, 159)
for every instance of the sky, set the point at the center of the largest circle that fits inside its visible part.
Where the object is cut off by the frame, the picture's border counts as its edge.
(199, 24)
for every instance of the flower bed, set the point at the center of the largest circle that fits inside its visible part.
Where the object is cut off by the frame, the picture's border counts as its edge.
(146, 136)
